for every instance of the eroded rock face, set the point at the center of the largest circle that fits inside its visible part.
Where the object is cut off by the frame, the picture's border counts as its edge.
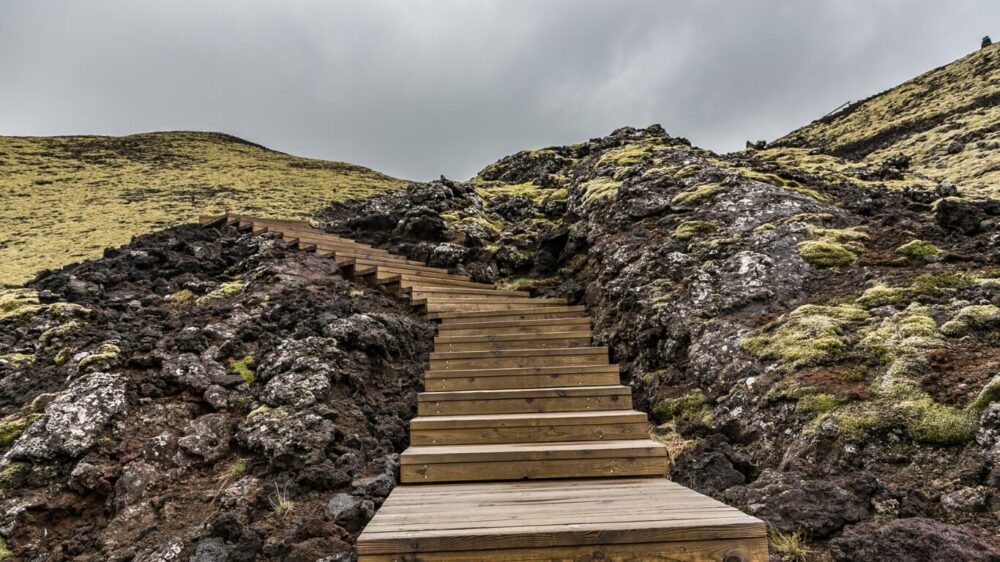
(232, 389)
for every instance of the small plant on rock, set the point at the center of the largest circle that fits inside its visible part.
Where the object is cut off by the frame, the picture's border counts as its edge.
(791, 547)
(280, 504)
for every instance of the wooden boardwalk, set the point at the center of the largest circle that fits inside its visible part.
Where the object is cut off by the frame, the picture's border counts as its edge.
(525, 446)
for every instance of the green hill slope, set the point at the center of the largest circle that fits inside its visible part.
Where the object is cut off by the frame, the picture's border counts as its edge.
(947, 121)
(64, 199)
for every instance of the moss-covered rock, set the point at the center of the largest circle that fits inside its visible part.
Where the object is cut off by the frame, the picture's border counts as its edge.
(828, 247)
(223, 291)
(242, 368)
(918, 250)
(12, 427)
(904, 407)
(973, 317)
(696, 196)
(690, 229)
(107, 352)
(692, 407)
(809, 335)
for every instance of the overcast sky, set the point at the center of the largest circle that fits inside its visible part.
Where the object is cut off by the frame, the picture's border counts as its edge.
(420, 88)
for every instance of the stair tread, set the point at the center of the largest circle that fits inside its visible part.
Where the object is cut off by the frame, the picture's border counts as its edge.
(526, 419)
(515, 393)
(524, 371)
(548, 352)
(421, 454)
(512, 337)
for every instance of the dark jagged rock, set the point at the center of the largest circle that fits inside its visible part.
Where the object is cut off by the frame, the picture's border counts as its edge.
(916, 539)
(212, 389)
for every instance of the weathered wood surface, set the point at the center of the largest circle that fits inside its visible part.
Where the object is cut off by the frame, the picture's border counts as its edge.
(525, 446)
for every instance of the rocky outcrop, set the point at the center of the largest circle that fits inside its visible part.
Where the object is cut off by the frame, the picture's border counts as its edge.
(204, 395)
(818, 352)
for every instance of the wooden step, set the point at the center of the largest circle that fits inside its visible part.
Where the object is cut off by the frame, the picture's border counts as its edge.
(529, 428)
(503, 315)
(346, 256)
(513, 378)
(380, 272)
(410, 281)
(343, 255)
(620, 519)
(446, 361)
(519, 401)
(438, 304)
(368, 266)
(503, 327)
(460, 292)
(529, 461)
(513, 341)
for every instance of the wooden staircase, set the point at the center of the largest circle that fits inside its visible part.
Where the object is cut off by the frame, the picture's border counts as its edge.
(525, 446)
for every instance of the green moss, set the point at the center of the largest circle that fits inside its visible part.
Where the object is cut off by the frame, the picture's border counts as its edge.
(106, 352)
(975, 317)
(826, 254)
(599, 188)
(819, 403)
(989, 393)
(902, 406)
(262, 409)
(809, 335)
(918, 250)
(5, 552)
(880, 295)
(693, 406)
(687, 171)
(628, 155)
(102, 191)
(63, 356)
(62, 329)
(17, 359)
(829, 247)
(695, 196)
(18, 304)
(902, 341)
(13, 426)
(808, 399)
(11, 476)
(184, 297)
(223, 291)
(690, 229)
(242, 368)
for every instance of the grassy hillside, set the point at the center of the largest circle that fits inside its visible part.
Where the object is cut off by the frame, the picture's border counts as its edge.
(947, 121)
(63, 199)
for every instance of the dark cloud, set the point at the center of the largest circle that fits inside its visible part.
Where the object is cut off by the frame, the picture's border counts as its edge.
(417, 88)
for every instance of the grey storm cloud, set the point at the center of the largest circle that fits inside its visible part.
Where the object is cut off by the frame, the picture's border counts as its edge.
(418, 88)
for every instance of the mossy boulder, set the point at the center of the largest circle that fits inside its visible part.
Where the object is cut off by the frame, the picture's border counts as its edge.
(809, 335)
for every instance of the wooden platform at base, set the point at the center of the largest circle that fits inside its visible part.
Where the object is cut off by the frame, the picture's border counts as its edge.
(603, 519)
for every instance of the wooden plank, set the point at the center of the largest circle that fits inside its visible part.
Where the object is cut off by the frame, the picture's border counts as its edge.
(552, 380)
(526, 314)
(541, 326)
(445, 361)
(617, 467)
(414, 281)
(524, 371)
(637, 448)
(752, 549)
(461, 292)
(513, 341)
(523, 405)
(553, 432)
